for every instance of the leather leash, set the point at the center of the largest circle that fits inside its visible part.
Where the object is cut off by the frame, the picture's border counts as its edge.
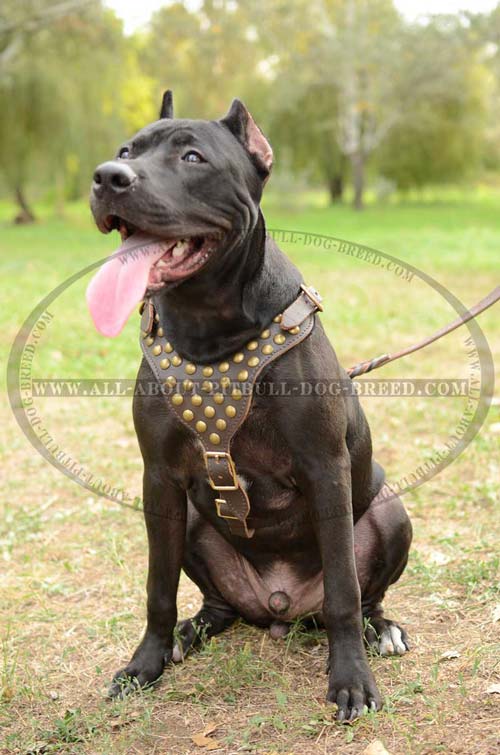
(373, 364)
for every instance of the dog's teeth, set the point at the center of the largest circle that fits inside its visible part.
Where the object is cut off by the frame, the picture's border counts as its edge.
(180, 248)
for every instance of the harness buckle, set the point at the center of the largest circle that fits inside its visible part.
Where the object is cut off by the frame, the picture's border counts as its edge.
(217, 455)
(313, 295)
(218, 503)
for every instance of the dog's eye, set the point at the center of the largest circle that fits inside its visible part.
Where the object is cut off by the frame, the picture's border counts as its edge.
(193, 157)
(124, 153)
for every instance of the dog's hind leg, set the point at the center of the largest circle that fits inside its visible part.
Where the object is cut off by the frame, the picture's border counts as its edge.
(382, 538)
(214, 616)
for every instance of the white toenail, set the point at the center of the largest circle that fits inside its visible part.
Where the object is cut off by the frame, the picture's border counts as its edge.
(386, 646)
(397, 639)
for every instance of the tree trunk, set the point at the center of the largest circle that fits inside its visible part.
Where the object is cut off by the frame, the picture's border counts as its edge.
(25, 214)
(336, 188)
(358, 179)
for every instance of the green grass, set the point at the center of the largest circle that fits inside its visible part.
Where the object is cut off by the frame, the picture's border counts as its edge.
(74, 564)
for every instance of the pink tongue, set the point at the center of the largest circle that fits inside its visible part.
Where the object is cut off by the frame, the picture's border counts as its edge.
(114, 292)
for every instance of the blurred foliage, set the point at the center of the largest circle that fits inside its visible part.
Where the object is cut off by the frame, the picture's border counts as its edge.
(345, 88)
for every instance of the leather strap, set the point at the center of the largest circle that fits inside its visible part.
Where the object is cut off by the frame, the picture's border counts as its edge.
(371, 364)
(213, 400)
(308, 302)
(147, 312)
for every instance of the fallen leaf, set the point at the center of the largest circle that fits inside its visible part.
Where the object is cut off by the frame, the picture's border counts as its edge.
(375, 748)
(202, 740)
(493, 689)
(207, 742)
(448, 655)
(209, 728)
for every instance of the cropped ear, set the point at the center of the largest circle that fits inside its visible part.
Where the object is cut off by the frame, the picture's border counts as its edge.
(241, 124)
(167, 105)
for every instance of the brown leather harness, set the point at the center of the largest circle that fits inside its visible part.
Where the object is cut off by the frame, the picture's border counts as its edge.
(213, 400)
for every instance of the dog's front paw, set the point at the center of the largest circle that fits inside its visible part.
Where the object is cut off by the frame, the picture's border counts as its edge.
(354, 690)
(143, 671)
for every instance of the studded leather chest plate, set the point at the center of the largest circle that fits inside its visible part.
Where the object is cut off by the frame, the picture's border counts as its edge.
(213, 400)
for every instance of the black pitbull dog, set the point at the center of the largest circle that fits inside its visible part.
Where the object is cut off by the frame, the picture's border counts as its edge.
(331, 537)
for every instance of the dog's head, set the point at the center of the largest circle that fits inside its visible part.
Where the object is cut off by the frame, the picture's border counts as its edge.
(187, 190)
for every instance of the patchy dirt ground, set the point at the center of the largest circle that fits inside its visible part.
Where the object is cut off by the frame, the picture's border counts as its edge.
(73, 610)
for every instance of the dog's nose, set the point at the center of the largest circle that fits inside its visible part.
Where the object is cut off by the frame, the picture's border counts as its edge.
(113, 175)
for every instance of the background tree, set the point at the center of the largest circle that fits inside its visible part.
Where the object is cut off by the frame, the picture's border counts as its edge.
(304, 132)
(442, 88)
(345, 52)
(208, 57)
(345, 88)
(71, 88)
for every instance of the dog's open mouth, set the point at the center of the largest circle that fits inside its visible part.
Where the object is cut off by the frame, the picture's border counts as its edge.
(181, 259)
(143, 264)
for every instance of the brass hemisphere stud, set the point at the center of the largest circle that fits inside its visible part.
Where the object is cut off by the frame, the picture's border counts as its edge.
(279, 339)
(177, 399)
(201, 426)
(165, 363)
(190, 368)
(277, 318)
(295, 330)
(252, 345)
(253, 361)
(207, 386)
(243, 375)
(160, 332)
(225, 381)
(168, 347)
(239, 357)
(157, 317)
(209, 412)
(171, 381)
(196, 400)
(149, 341)
(188, 415)
(214, 438)
(187, 385)
(208, 371)
(265, 333)
(223, 366)
(157, 350)
(231, 411)
(236, 394)
(267, 349)
(219, 398)
(176, 360)
(220, 424)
